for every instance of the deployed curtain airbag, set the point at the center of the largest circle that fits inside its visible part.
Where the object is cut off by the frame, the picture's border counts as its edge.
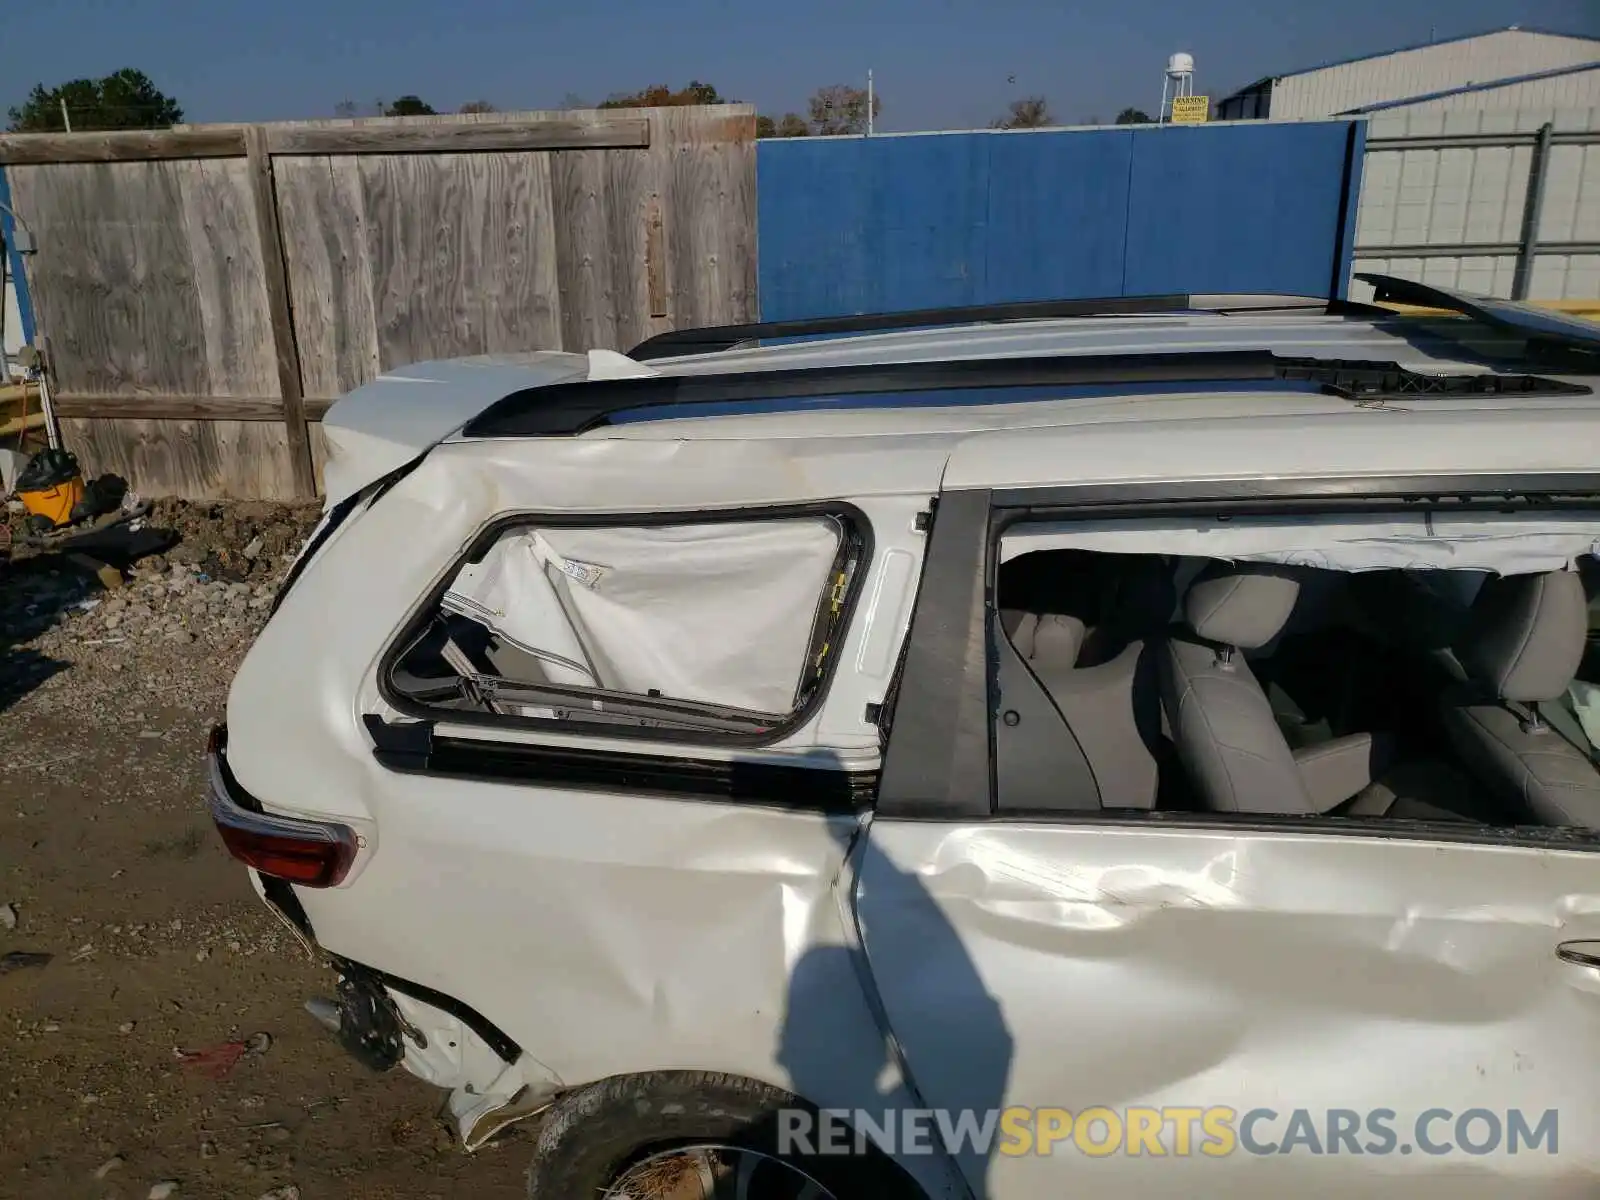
(718, 613)
(1509, 544)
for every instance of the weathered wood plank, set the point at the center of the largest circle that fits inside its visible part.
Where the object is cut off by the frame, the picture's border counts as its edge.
(225, 254)
(197, 460)
(515, 273)
(319, 455)
(711, 216)
(631, 190)
(324, 229)
(141, 145)
(276, 277)
(583, 259)
(204, 408)
(474, 136)
(113, 281)
(462, 255)
(657, 267)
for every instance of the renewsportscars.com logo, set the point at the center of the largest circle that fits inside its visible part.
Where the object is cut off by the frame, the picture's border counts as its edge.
(1171, 1131)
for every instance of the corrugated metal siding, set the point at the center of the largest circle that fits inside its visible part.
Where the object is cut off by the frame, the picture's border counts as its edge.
(1475, 195)
(1428, 69)
(1581, 89)
(853, 225)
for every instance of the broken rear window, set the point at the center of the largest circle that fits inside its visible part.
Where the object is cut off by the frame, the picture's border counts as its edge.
(713, 625)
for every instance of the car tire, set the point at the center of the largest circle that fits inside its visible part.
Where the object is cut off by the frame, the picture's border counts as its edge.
(592, 1135)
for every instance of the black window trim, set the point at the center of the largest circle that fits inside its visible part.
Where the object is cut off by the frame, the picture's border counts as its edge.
(853, 519)
(932, 773)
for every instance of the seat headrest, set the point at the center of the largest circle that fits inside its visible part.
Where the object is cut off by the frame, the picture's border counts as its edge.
(1244, 605)
(1524, 637)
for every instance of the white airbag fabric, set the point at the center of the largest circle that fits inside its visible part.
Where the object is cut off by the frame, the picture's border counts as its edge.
(719, 613)
(1502, 545)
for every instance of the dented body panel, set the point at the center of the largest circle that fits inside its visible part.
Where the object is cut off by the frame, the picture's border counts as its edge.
(935, 953)
(1082, 965)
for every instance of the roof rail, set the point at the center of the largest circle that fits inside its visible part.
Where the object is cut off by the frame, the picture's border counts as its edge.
(1539, 325)
(569, 409)
(714, 338)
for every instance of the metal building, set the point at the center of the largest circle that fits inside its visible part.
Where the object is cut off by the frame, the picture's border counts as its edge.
(1562, 88)
(1513, 68)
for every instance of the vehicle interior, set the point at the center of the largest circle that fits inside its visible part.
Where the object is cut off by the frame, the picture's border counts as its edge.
(1247, 687)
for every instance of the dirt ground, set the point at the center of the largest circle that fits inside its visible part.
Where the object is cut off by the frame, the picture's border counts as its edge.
(109, 864)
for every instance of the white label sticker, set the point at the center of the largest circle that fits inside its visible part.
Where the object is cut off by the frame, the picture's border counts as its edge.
(585, 573)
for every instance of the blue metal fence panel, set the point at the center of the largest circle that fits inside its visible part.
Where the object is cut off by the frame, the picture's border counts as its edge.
(870, 225)
(1355, 163)
(1236, 208)
(1058, 214)
(14, 263)
(854, 225)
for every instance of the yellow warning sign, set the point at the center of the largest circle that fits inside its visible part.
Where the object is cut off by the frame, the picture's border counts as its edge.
(1190, 110)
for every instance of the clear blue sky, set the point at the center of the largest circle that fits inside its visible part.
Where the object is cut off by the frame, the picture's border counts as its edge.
(939, 64)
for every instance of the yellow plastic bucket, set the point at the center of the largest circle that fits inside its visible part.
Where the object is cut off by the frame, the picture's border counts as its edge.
(55, 504)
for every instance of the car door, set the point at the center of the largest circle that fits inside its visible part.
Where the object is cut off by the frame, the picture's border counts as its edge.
(1179, 1005)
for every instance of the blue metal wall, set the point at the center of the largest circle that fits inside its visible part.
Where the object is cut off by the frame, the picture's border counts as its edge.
(853, 225)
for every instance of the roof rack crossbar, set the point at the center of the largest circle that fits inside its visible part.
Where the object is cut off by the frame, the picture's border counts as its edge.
(711, 339)
(1550, 329)
(569, 409)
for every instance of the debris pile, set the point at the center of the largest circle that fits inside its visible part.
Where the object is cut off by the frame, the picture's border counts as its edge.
(209, 591)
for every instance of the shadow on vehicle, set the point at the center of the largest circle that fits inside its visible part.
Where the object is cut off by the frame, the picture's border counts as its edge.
(962, 1018)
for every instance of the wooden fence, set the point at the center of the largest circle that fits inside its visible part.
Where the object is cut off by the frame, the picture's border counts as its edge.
(204, 293)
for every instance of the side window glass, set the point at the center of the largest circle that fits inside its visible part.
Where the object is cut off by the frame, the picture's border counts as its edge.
(714, 626)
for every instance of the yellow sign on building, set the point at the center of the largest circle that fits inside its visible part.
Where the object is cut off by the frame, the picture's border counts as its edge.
(1190, 110)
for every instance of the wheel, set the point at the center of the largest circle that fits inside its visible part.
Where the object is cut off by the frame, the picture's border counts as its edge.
(693, 1136)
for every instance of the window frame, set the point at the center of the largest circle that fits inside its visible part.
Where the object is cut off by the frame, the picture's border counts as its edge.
(933, 770)
(857, 526)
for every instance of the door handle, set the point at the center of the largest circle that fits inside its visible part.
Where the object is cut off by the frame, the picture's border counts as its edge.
(1580, 954)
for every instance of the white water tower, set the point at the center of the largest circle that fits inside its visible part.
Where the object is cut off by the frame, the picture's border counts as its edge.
(1178, 81)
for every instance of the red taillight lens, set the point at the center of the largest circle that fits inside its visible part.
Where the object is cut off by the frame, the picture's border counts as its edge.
(310, 862)
(311, 853)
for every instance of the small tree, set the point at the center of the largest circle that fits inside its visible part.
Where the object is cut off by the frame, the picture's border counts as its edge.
(409, 106)
(1133, 116)
(661, 95)
(791, 125)
(842, 109)
(478, 106)
(126, 99)
(1031, 112)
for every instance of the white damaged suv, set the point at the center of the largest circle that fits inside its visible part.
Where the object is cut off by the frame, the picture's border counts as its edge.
(1136, 746)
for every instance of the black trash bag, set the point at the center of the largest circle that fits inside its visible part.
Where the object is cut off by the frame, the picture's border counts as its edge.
(121, 545)
(100, 496)
(47, 469)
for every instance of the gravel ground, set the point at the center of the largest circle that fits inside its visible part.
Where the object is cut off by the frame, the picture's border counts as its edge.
(158, 945)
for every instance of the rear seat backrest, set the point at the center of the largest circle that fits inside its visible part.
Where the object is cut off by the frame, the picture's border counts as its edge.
(1222, 723)
(1521, 649)
(1108, 691)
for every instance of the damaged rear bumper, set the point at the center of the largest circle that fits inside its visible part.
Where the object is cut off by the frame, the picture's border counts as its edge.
(385, 1022)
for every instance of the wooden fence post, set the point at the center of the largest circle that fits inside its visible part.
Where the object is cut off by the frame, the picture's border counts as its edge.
(276, 273)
